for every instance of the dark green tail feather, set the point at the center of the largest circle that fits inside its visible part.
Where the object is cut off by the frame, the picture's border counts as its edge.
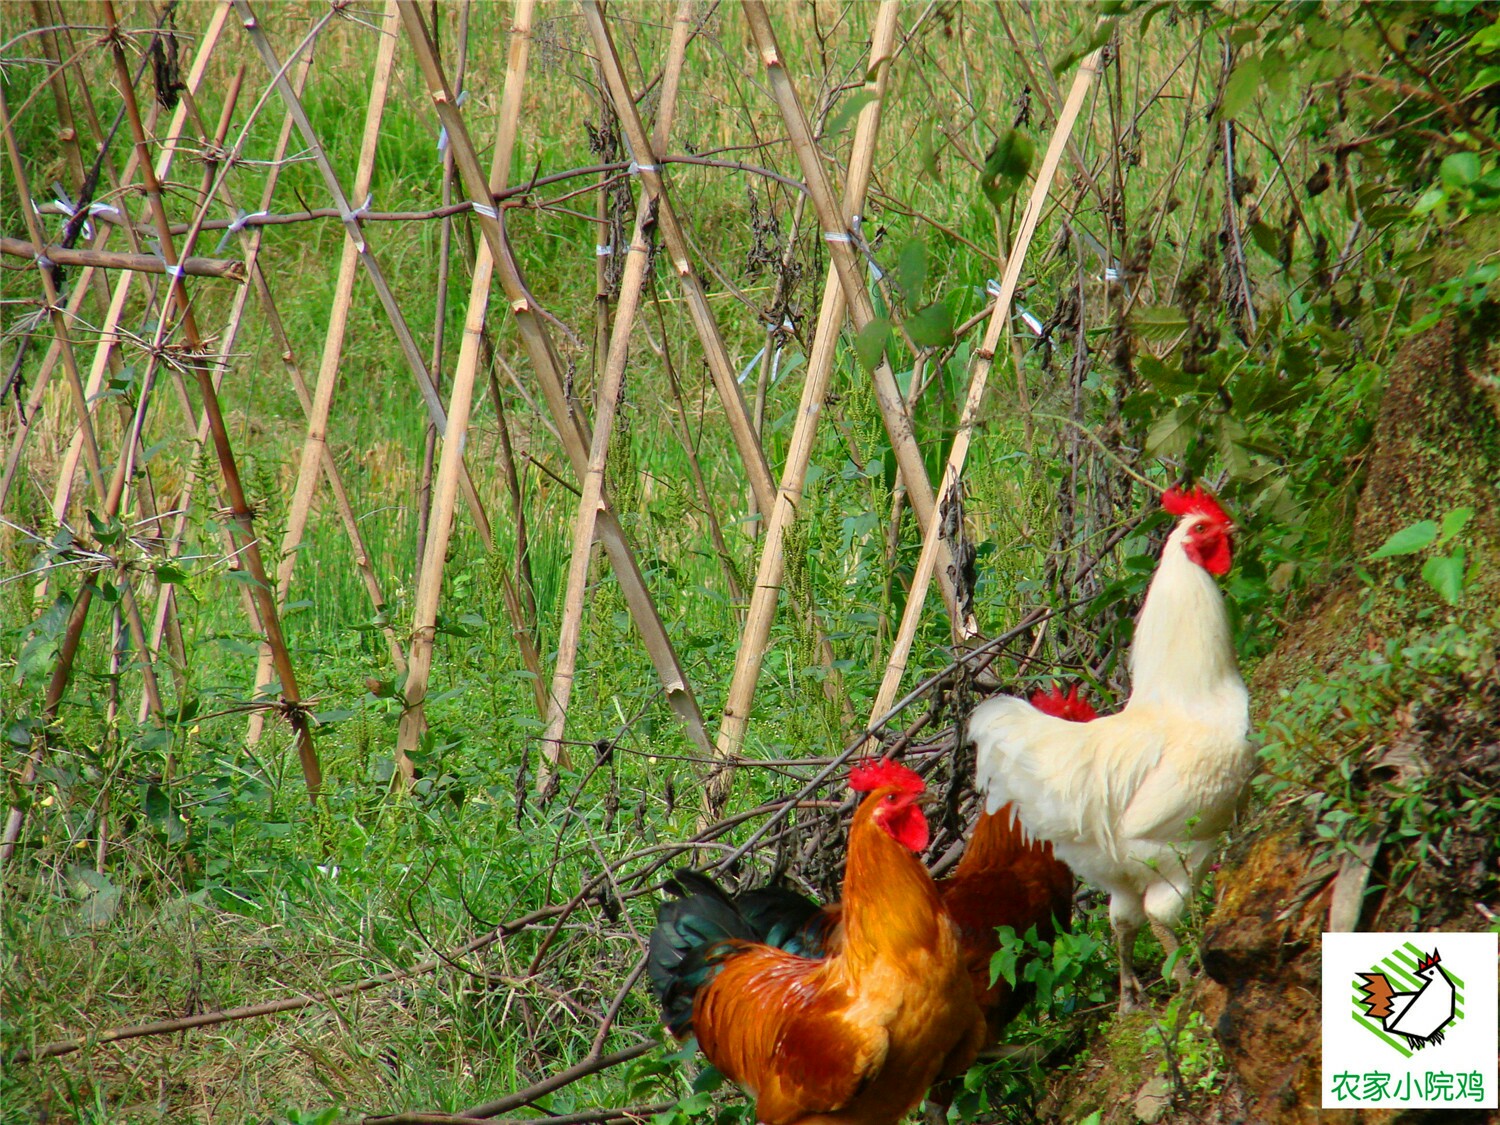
(687, 943)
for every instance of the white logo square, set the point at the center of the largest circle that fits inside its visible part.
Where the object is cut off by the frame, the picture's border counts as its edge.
(1410, 1020)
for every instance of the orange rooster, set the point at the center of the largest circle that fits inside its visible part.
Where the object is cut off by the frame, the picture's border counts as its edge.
(854, 1037)
(1002, 879)
(1135, 801)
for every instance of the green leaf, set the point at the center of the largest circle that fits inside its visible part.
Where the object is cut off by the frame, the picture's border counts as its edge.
(1240, 88)
(869, 345)
(170, 573)
(1169, 436)
(1459, 169)
(1486, 40)
(1408, 541)
(1006, 166)
(100, 898)
(1167, 378)
(1445, 574)
(851, 106)
(157, 806)
(911, 269)
(1101, 35)
(1268, 238)
(709, 1079)
(1489, 76)
(1159, 323)
(929, 153)
(932, 327)
(1453, 523)
(1150, 15)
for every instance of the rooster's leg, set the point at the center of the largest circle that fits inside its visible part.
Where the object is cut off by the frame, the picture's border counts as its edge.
(1170, 945)
(1132, 996)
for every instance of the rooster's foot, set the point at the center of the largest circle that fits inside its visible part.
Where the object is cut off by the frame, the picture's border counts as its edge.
(1132, 994)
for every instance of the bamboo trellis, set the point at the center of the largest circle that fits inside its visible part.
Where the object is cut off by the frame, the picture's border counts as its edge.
(192, 364)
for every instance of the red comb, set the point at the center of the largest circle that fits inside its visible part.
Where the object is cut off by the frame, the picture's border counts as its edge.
(1193, 502)
(1064, 705)
(1428, 962)
(868, 776)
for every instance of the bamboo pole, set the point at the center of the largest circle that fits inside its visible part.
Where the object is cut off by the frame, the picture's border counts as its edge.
(109, 495)
(637, 262)
(984, 360)
(243, 521)
(315, 444)
(643, 150)
(841, 243)
(726, 383)
(163, 620)
(68, 650)
(353, 225)
(440, 305)
(440, 523)
(106, 355)
(571, 425)
(251, 239)
(750, 654)
(109, 334)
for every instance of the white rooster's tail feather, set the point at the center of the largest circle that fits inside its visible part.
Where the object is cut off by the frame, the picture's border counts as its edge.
(1017, 754)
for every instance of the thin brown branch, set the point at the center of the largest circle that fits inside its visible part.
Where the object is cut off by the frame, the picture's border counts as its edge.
(116, 260)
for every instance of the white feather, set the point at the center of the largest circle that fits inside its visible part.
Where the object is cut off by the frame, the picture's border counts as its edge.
(1134, 801)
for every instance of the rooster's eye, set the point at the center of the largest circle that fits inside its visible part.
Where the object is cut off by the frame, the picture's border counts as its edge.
(890, 798)
(1200, 527)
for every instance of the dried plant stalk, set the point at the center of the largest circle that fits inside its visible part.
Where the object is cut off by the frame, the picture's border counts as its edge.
(984, 360)
(607, 398)
(841, 249)
(750, 654)
(572, 427)
(315, 444)
(243, 521)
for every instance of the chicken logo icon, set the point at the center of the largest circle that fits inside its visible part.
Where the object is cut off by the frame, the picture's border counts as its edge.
(1419, 1016)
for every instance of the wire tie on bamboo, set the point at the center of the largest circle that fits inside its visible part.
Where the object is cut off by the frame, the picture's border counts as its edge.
(175, 273)
(837, 236)
(604, 249)
(637, 168)
(487, 212)
(364, 208)
(70, 209)
(442, 144)
(241, 221)
(751, 366)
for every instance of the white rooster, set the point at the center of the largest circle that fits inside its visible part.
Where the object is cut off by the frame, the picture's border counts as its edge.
(1133, 802)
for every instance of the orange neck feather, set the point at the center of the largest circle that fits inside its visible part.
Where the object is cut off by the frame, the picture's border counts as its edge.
(889, 900)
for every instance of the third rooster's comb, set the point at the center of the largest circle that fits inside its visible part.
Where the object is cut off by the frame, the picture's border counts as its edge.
(1064, 704)
(868, 776)
(1193, 502)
